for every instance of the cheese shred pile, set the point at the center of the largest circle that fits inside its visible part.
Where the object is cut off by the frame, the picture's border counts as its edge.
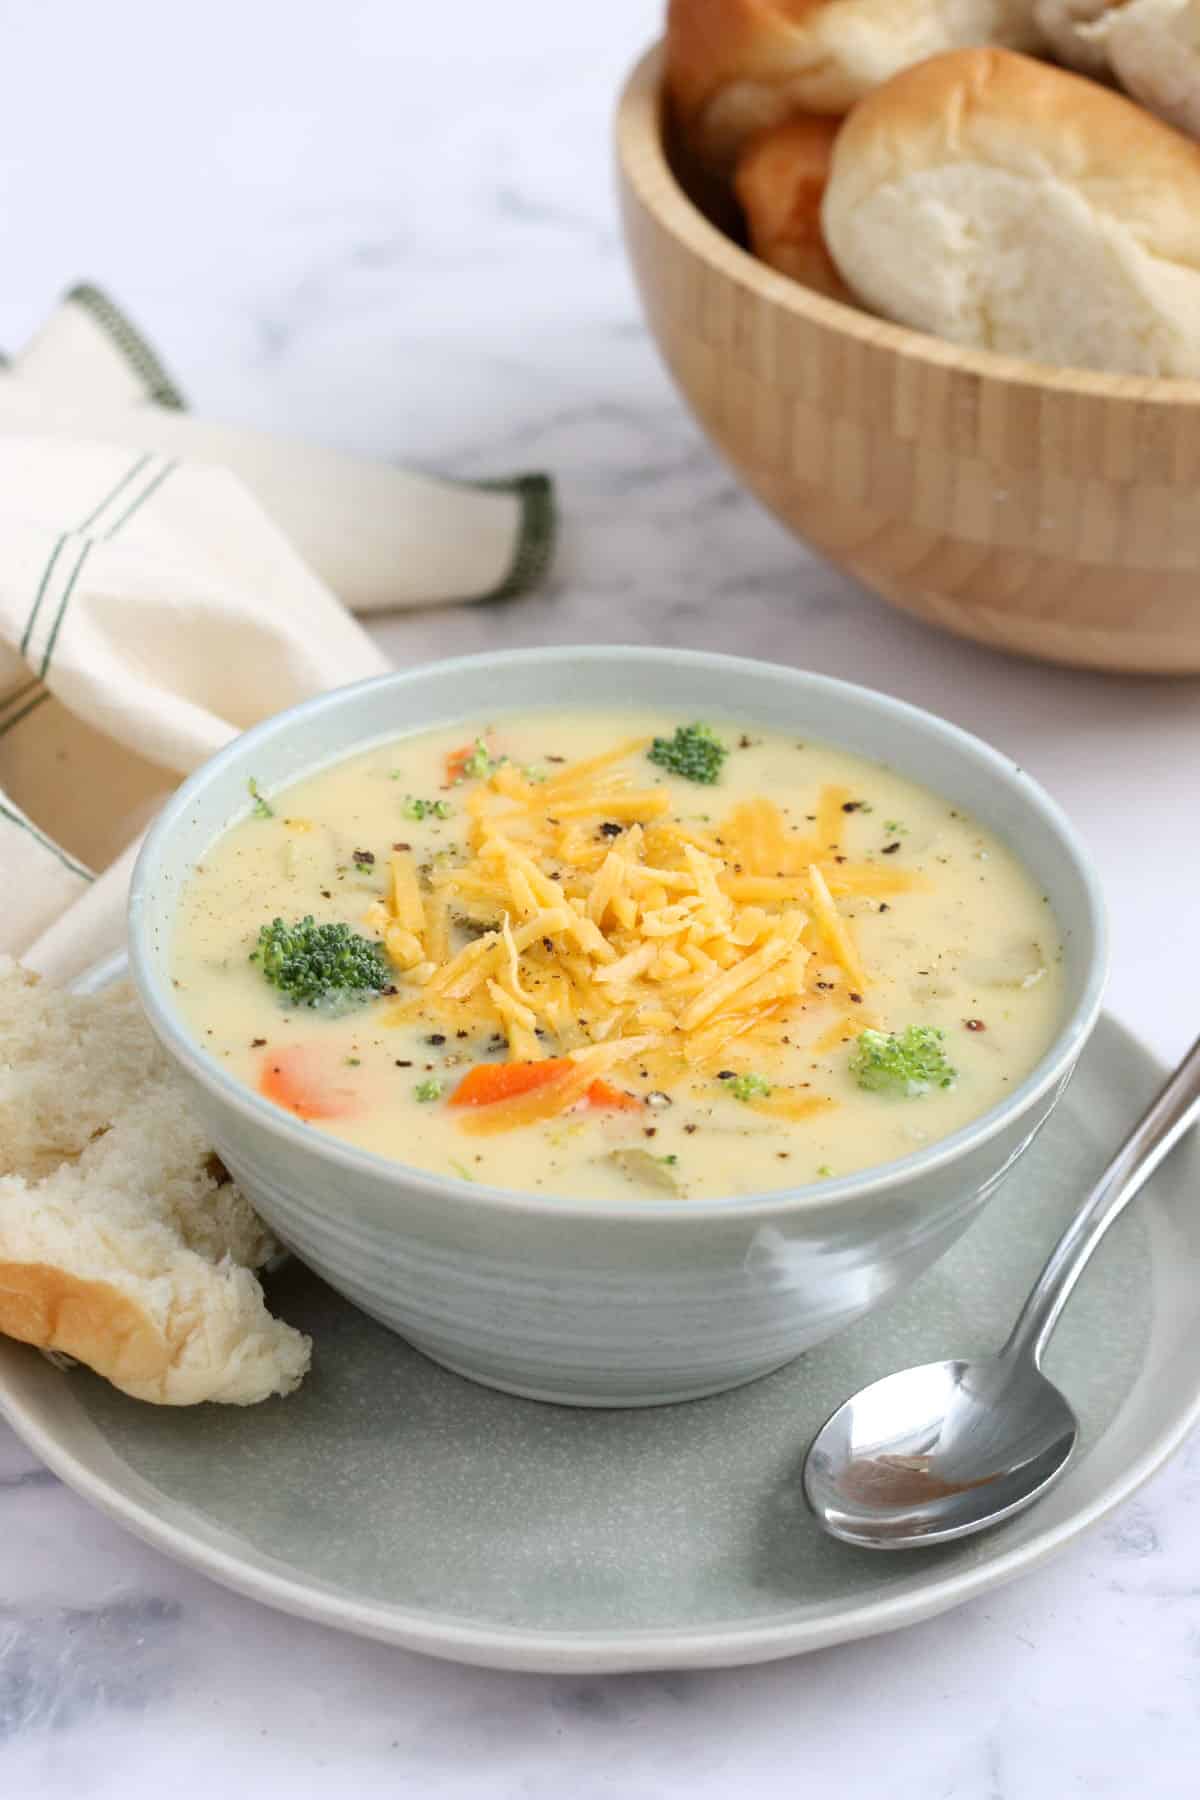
(599, 924)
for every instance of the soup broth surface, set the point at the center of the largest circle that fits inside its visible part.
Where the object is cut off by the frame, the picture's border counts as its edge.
(534, 918)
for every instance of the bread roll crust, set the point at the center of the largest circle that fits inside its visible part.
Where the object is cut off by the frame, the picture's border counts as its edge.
(91, 1321)
(737, 67)
(1003, 203)
(780, 183)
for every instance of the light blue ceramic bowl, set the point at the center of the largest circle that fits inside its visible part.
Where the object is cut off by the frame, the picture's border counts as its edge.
(633, 1302)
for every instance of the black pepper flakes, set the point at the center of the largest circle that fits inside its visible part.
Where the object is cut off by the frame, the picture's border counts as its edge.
(690, 1129)
(856, 998)
(257, 1043)
(436, 1037)
(364, 858)
(890, 849)
(850, 806)
(403, 1065)
(401, 846)
(610, 829)
(650, 1131)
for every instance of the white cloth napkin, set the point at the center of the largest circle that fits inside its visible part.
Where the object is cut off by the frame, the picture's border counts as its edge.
(165, 583)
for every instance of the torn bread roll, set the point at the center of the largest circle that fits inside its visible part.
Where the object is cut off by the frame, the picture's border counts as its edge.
(737, 67)
(780, 183)
(1150, 47)
(123, 1242)
(1153, 50)
(1002, 203)
(1066, 26)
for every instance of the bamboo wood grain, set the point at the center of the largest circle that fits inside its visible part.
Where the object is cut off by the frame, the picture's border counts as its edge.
(1051, 512)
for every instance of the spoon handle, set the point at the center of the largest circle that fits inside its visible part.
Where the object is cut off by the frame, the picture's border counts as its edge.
(1162, 1125)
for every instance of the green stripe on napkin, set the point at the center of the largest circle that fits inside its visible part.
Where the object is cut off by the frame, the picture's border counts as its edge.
(15, 714)
(537, 529)
(23, 824)
(536, 534)
(145, 362)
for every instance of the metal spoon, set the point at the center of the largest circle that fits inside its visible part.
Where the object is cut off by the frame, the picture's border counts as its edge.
(947, 1449)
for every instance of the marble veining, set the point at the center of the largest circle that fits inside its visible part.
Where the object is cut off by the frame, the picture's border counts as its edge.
(392, 229)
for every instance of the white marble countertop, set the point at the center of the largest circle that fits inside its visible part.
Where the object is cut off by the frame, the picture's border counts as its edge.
(393, 229)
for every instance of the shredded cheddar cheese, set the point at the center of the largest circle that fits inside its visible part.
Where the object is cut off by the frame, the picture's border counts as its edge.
(611, 932)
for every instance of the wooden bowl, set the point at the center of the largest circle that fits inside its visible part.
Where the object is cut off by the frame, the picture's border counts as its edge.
(1048, 511)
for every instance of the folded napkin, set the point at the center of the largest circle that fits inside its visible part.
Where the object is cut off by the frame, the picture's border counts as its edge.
(164, 583)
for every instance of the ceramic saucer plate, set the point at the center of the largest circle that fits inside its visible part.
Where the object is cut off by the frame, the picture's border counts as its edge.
(396, 1500)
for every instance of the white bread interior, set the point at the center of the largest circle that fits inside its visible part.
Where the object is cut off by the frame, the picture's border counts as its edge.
(737, 67)
(123, 1243)
(1009, 205)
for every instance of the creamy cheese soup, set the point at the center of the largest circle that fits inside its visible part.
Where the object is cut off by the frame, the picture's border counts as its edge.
(613, 955)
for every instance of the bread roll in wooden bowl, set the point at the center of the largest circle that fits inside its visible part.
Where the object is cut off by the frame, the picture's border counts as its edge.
(1046, 511)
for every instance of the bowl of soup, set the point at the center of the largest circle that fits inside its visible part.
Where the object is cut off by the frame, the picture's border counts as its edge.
(616, 1024)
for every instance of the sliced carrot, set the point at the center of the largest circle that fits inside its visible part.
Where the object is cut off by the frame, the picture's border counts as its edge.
(293, 1079)
(602, 1093)
(553, 1097)
(457, 760)
(489, 1084)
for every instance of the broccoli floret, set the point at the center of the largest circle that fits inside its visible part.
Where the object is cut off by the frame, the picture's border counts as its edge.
(481, 763)
(428, 1090)
(261, 809)
(908, 1063)
(425, 809)
(321, 965)
(695, 753)
(750, 1087)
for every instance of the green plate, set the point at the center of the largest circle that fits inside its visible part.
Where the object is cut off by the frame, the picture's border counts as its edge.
(391, 1498)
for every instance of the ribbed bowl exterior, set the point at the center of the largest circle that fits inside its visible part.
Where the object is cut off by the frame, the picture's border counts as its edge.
(574, 1310)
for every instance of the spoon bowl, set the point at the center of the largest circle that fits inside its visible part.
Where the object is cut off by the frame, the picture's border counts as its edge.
(932, 1453)
(948, 1448)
